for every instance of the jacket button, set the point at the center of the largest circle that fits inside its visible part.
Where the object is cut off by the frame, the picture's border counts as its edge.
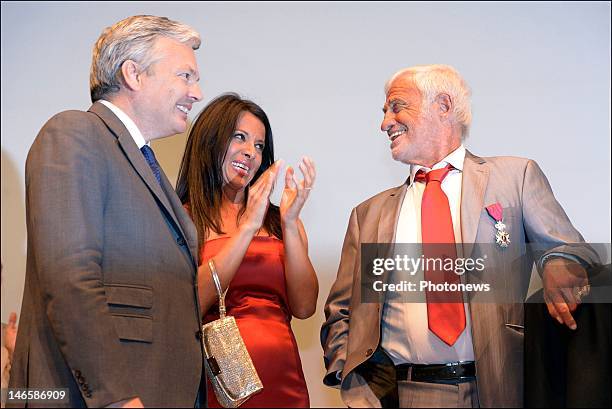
(369, 352)
(77, 373)
(180, 241)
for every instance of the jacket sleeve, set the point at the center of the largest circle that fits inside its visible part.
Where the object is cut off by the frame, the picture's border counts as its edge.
(66, 189)
(334, 332)
(549, 231)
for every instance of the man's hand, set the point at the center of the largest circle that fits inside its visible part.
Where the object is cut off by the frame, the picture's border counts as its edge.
(565, 283)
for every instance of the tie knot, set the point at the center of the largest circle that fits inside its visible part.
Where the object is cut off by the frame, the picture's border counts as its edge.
(436, 175)
(148, 153)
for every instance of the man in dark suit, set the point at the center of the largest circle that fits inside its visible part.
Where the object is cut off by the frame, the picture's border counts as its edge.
(110, 308)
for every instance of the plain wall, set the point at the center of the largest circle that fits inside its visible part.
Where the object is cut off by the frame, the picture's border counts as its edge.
(540, 75)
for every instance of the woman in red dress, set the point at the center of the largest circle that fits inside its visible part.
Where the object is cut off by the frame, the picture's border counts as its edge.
(260, 250)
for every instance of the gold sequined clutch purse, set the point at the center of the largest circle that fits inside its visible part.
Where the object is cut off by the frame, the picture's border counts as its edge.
(228, 363)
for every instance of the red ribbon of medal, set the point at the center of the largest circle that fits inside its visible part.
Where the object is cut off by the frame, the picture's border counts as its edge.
(502, 238)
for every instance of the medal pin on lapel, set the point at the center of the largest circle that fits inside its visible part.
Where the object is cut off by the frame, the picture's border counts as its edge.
(502, 238)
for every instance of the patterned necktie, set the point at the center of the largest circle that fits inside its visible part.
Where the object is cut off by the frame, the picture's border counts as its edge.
(445, 311)
(150, 157)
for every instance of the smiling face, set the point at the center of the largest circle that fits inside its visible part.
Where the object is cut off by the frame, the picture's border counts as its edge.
(413, 127)
(169, 88)
(244, 153)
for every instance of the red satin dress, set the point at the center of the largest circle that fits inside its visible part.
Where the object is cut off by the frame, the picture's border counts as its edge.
(257, 299)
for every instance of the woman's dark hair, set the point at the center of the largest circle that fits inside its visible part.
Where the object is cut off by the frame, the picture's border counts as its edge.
(200, 180)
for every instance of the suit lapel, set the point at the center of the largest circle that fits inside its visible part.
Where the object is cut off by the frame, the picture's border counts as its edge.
(185, 225)
(387, 224)
(474, 184)
(389, 213)
(136, 158)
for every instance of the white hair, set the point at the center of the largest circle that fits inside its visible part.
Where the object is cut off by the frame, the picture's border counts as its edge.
(132, 39)
(433, 80)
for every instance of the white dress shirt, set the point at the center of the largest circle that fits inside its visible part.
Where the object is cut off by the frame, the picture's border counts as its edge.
(127, 121)
(405, 334)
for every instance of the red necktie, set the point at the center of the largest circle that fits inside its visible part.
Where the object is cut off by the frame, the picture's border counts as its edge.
(445, 311)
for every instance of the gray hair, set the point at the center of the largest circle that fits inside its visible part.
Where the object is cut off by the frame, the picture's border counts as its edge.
(435, 79)
(131, 39)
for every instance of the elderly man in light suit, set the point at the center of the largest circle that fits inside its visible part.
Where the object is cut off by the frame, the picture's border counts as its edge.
(388, 353)
(110, 309)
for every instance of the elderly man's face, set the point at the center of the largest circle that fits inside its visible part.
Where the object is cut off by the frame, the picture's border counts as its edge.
(412, 128)
(169, 89)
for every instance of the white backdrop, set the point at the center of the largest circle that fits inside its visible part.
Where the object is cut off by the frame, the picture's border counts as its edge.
(540, 74)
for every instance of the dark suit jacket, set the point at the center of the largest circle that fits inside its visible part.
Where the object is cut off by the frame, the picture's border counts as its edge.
(110, 307)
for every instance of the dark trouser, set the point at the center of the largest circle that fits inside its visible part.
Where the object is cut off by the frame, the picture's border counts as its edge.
(565, 368)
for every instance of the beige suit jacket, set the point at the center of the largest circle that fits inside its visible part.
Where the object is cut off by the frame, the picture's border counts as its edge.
(110, 307)
(352, 331)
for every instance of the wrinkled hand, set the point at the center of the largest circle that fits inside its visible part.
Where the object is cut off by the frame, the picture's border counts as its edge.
(296, 192)
(259, 198)
(562, 279)
(11, 333)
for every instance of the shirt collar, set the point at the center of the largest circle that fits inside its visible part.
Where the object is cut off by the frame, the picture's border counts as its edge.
(127, 121)
(455, 158)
